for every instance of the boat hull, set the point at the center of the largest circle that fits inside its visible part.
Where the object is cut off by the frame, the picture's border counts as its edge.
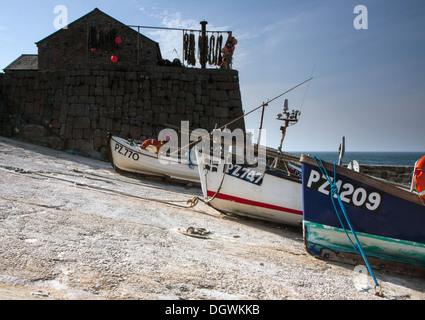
(244, 191)
(387, 219)
(131, 158)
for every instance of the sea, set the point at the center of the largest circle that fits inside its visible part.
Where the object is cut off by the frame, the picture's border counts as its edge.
(369, 157)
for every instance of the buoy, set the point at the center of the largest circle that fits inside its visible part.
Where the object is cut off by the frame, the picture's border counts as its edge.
(419, 177)
(147, 143)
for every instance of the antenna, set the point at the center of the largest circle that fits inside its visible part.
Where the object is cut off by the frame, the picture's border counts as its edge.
(289, 118)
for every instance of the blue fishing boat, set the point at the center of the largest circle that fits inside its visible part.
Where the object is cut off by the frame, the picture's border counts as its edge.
(354, 218)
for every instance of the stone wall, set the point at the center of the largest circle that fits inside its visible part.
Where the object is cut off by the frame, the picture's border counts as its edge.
(85, 102)
(397, 174)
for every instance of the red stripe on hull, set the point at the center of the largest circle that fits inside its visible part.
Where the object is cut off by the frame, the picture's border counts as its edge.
(227, 197)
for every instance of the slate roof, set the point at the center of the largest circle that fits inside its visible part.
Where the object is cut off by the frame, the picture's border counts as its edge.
(24, 62)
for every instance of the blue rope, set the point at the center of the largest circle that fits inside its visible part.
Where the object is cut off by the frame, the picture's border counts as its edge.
(189, 160)
(334, 191)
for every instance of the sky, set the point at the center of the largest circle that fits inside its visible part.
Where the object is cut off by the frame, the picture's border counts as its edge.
(368, 65)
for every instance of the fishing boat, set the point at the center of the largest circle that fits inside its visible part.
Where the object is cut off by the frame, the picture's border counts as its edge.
(245, 190)
(350, 217)
(270, 190)
(144, 159)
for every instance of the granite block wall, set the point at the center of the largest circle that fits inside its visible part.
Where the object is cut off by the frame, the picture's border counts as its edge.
(83, 103)
(397, 174)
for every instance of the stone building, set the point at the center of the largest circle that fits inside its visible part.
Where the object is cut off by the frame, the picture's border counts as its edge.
(78, 94)
(94, 39)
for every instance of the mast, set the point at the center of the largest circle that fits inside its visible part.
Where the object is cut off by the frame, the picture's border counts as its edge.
(289, 118)
(261, 124)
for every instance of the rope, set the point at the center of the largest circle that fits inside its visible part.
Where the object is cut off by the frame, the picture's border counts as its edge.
(218, 189)
(334, 191)
(306, 89)
(245, 114)
(189, 160)
(191, 202)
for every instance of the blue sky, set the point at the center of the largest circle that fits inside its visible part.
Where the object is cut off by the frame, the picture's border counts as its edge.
(369, 84)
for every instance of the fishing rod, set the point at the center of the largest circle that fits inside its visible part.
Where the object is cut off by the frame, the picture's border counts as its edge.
(264, 104)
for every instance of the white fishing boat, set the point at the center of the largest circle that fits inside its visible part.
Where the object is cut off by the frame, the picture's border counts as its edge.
(129, 156)
(243, 190)
(270, 191)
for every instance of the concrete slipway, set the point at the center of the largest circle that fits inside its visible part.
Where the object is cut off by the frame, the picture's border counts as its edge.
(72, 228)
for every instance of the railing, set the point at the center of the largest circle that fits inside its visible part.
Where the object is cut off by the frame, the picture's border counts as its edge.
(210, 48)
